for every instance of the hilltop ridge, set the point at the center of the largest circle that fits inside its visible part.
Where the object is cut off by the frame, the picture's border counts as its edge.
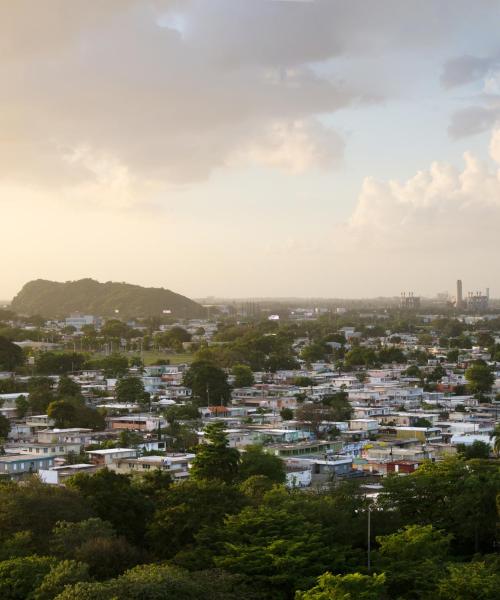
(59, 299)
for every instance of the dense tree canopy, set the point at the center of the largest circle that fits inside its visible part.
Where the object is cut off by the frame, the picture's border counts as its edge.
(11, 355)
(208, 382)
(480, 378)
(243, 376)
(50, 363)
(130, 390)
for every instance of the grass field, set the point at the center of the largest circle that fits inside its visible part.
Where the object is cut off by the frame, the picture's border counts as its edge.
(150, 357)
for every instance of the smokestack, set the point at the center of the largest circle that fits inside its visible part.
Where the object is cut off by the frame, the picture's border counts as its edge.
(488, 293)
(459, 294)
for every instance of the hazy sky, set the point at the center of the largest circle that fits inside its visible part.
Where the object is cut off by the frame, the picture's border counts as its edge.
(251, 147)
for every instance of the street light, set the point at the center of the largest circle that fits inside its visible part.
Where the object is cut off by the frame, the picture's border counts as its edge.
(369, 542)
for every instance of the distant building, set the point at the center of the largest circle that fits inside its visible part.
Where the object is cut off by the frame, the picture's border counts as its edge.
(78, 321)
(409, 301)
(477, 302)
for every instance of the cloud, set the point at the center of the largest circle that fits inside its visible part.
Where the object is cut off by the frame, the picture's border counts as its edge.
(439, 212)
(296, 147)
(482, 115)
(472, 120)
(171, 90)
(466, 69)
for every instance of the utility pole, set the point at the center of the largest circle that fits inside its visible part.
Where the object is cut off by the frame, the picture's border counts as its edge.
(368, 561)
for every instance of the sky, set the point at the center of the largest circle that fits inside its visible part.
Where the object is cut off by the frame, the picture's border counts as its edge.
(250, 148)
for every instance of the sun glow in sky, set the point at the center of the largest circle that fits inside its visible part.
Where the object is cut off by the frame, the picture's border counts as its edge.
(251, 147)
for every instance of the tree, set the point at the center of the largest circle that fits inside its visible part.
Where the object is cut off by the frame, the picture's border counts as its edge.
(108, 556)
(436, 374)
(19, 577)
(112, 497)
(243, 376)
(162, 582)
(114, 365)
(72, 412)
(254, 461)
(129, 390)
(277, 549)
(453, 495)
(413, 559)
(422, 422)
(40, 394)
(353, 586)
(472, 581)
(495, 435)
(359, 356)
(129, 439)
(187, 509)
(339, 406)
(286, 414)
(214, 459)
(179, 335)
(303, 381)
(477, 449)
(22, 406)
(36, 507)
(153, 484)
(11, 355)
(480, 378)
(4, 427)
(62, 574)
(255, 487)
(208, 383)
(67, 536)
(177, 412)
(58, 363)
(114, 328)
(332, 408)
(413, 371)
(67, 388)
(317, 351)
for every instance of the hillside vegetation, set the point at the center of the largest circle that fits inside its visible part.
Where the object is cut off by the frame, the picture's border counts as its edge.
(55, 299)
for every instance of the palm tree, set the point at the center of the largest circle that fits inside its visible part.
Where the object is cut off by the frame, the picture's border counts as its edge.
(495, 434)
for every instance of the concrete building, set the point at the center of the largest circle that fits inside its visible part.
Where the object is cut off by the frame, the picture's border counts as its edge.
(106, 457)
(177, 464)
(17, 465)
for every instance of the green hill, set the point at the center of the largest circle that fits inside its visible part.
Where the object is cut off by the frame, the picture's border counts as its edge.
(55, 299)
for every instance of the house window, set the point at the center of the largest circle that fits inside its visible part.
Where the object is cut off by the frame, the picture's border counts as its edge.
(22, 466)
(14, 467)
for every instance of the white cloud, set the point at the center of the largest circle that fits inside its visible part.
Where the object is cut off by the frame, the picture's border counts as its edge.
(495, 146)
(296, 147)
(441, 212)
